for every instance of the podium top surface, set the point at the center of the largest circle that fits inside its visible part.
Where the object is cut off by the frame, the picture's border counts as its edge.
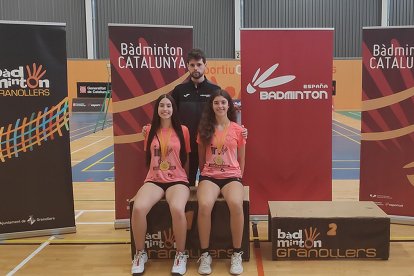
(325, 209)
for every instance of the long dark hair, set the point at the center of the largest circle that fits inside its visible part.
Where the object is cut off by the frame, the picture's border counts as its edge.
(208, 120)
(156, 125)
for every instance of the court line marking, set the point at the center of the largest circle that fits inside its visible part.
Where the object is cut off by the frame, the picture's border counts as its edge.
(75, 151)
(339, 125)
(79, 214)
(40, 248)
(257, 250)
(96, 162)
(347, 137)
(89, 130)
(88, 125)
(345, 168)
(349, 128)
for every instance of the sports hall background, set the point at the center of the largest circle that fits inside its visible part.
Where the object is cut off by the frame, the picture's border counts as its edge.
(215, 26)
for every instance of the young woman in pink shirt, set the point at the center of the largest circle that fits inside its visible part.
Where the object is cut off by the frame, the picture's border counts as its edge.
(221, 149)
(167, 146)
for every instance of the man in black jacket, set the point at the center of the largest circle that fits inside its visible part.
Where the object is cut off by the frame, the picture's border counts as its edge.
(190, 98)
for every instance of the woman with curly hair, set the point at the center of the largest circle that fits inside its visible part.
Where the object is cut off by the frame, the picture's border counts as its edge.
(221, 149)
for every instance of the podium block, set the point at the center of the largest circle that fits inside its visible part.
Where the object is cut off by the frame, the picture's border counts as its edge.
(159, 241)
(304, 230)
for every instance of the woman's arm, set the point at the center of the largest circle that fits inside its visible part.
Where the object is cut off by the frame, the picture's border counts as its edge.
(241, 153)
(201, 156)
(186, 165)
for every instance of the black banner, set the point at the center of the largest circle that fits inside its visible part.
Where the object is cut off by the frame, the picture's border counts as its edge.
(92, 89)
(36, 194)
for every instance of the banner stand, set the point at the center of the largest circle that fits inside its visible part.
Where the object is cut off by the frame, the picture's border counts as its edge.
(35, 167)
(287, 92)
(38, 233)
(121, 223)
(387, 134)
(146, 62)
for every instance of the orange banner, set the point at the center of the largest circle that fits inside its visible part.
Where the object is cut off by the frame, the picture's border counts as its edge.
(226, 74)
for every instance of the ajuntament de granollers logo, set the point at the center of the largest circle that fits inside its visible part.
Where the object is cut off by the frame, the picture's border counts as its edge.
(24, 81)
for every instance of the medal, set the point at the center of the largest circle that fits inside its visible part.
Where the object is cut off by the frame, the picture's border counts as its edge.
(164, 165)
(164, 140)
(219, 143)
(218, 160)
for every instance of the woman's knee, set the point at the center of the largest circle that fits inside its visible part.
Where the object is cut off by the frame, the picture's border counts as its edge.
(205, 207)
(141, 208)
(177, 210)
(235, 206)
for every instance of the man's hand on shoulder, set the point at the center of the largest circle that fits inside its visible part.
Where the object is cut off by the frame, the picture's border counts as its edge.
(145, 130)
(244, 132)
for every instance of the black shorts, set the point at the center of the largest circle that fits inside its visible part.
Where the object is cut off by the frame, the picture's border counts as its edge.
(220, 182)
(165, 186)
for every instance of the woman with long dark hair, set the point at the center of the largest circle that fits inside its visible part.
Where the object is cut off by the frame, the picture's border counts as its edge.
(167, 146)
(221, 149)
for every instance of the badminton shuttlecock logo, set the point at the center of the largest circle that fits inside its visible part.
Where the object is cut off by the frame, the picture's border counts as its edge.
(262, 81)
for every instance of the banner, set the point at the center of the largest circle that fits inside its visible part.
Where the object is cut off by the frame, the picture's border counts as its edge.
(36, 194)
(146, 62)
(387, 131)
(287, 101)
(226, 74)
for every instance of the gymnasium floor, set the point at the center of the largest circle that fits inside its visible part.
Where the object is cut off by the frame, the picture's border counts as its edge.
(97, 248)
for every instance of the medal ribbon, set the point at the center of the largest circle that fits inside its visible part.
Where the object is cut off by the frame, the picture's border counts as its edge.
(219, 141)
(164, 140)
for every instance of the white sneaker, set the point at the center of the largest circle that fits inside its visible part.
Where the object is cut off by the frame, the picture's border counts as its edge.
(205, 264)
(236, 266)
(138, 264)
(180, 264)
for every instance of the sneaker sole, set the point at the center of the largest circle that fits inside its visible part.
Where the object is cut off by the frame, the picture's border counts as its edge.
(177, 274)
